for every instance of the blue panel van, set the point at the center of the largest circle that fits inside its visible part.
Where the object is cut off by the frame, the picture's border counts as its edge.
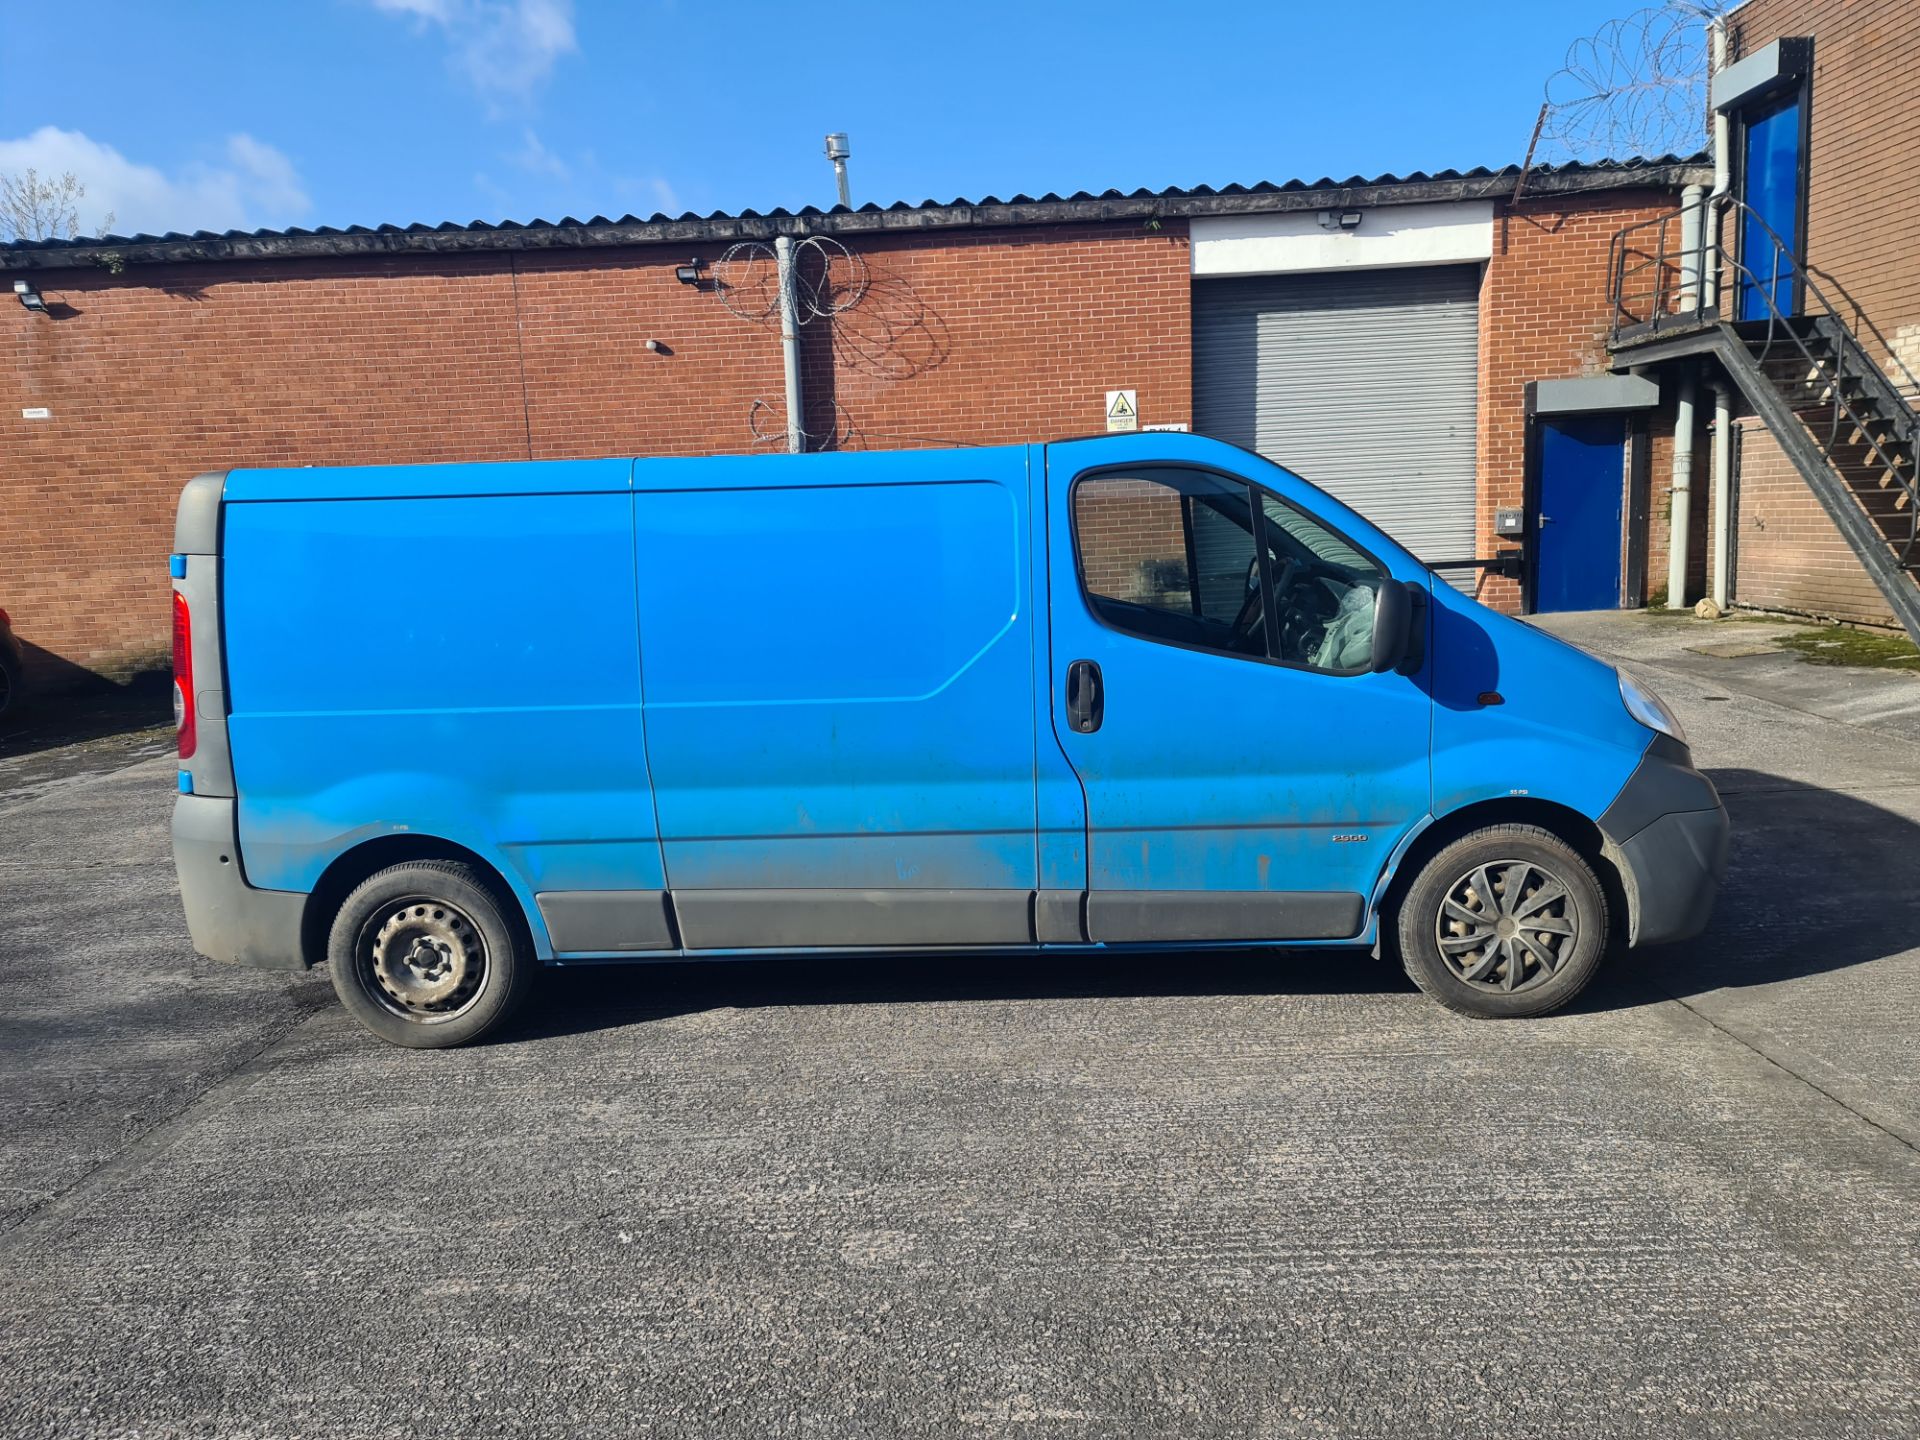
(440, 726)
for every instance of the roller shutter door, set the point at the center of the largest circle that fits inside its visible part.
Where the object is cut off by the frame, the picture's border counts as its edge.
(1365, 382)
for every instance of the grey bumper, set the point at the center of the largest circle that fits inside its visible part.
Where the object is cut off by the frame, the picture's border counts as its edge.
(228, 919)
(1667, 832)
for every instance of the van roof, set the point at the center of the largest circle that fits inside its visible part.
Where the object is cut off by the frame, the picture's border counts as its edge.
(625, 472)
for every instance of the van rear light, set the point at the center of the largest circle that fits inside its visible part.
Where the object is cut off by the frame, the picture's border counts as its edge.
(183, 674)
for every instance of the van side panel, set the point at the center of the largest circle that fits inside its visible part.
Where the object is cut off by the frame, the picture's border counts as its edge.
(838, 661)
(463, 667)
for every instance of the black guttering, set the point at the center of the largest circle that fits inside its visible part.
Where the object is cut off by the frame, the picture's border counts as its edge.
(1666, 172)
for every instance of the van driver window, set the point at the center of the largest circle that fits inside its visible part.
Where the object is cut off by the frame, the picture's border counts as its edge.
(1169, 555)
(1323, 592)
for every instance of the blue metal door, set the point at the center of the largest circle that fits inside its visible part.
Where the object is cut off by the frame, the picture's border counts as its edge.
(1582, 473)
(1231, 793)
(1771, 171)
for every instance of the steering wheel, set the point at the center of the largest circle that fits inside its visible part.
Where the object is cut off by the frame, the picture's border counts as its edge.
(1289, 609)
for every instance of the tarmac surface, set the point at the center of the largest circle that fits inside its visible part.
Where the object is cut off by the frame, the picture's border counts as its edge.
(1189, 1196)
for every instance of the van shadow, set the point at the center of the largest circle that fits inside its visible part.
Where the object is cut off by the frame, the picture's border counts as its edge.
(66, 704)
(1818, 880)
(590, 998)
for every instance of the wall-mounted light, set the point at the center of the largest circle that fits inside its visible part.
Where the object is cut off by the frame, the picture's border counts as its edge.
(1340, 219)
(689, 273)
(30, 297)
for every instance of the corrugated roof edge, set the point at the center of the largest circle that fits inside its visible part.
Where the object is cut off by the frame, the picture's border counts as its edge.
(1661, 172)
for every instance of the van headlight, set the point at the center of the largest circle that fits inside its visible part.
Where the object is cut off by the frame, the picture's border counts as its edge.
(1648, 708)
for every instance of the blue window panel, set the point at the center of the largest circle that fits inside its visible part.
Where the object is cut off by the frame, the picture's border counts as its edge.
(1772, 169)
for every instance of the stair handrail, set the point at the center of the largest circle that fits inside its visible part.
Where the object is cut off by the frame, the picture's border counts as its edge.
(1668, 263)
(1784, 264)
(1672, 275)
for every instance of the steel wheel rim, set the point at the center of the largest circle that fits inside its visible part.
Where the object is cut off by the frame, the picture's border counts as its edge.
(423, 959)
(1507, 926)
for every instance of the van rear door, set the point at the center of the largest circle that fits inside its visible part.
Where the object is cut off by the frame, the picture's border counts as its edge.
(1246, 774)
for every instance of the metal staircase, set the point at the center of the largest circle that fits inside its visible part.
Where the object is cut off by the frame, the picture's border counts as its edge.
(1848, 429)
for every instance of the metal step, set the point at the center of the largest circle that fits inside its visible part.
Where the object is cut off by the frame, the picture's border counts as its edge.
(1871, 500)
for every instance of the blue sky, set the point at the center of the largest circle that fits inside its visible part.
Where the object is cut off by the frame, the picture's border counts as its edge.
(195, 113)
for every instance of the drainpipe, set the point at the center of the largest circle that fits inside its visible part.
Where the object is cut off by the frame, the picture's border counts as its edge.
(1691, 200)
(1722, 493)
(789, 342)
(1679, 526)
(1722, 169)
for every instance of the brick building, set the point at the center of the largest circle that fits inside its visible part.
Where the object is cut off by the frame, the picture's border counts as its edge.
(1387, 338)
(1819, 294)
(1788, 554)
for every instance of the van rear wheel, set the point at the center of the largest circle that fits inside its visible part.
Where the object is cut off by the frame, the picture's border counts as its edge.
(1504, 922)
(427, 955)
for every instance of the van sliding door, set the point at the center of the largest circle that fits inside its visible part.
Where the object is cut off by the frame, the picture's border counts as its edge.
(837, 654)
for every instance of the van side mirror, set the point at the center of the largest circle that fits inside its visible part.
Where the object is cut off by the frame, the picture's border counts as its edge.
(1394, 614)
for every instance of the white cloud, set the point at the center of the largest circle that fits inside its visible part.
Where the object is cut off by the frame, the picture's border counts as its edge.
(647, 196)
(255, 186)
(536, 159)
(505, 48)
(441, 10)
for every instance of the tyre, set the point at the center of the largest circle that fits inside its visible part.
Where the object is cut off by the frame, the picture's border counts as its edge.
(428, 955)
(12, 698)
(1504, 922)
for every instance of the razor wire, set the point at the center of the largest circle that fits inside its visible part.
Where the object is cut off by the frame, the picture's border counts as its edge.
(1635, 88)
(828, 280)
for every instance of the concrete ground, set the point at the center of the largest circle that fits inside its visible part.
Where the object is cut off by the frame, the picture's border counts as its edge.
(1194, 1196)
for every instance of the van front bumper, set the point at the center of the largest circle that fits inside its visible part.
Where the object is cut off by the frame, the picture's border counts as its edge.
(1667, 834)
(228, 919)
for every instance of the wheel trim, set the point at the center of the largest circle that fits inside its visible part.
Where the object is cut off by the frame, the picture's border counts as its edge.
(1507, 925)
(423, 959)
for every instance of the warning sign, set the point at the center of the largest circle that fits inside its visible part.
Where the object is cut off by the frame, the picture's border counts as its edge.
(1123, 413)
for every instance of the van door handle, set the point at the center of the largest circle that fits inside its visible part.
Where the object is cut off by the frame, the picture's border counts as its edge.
(1086, 700)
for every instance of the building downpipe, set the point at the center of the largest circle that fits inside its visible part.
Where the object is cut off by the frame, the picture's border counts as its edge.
(790, 342)
(1722, 173)
(1692, 202)
(1681, 511)
(1722, 495)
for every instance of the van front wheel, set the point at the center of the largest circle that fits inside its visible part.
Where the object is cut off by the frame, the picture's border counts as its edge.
(1504, 922)
(427, 956)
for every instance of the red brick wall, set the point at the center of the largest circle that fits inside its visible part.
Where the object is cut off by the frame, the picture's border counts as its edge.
(1789, 556)
(1863, 188)
(1544, 316)
(1005, 336)
(157, 374)
(1863, 177)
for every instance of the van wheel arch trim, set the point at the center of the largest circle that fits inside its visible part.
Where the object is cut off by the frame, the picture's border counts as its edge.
(359, 862)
